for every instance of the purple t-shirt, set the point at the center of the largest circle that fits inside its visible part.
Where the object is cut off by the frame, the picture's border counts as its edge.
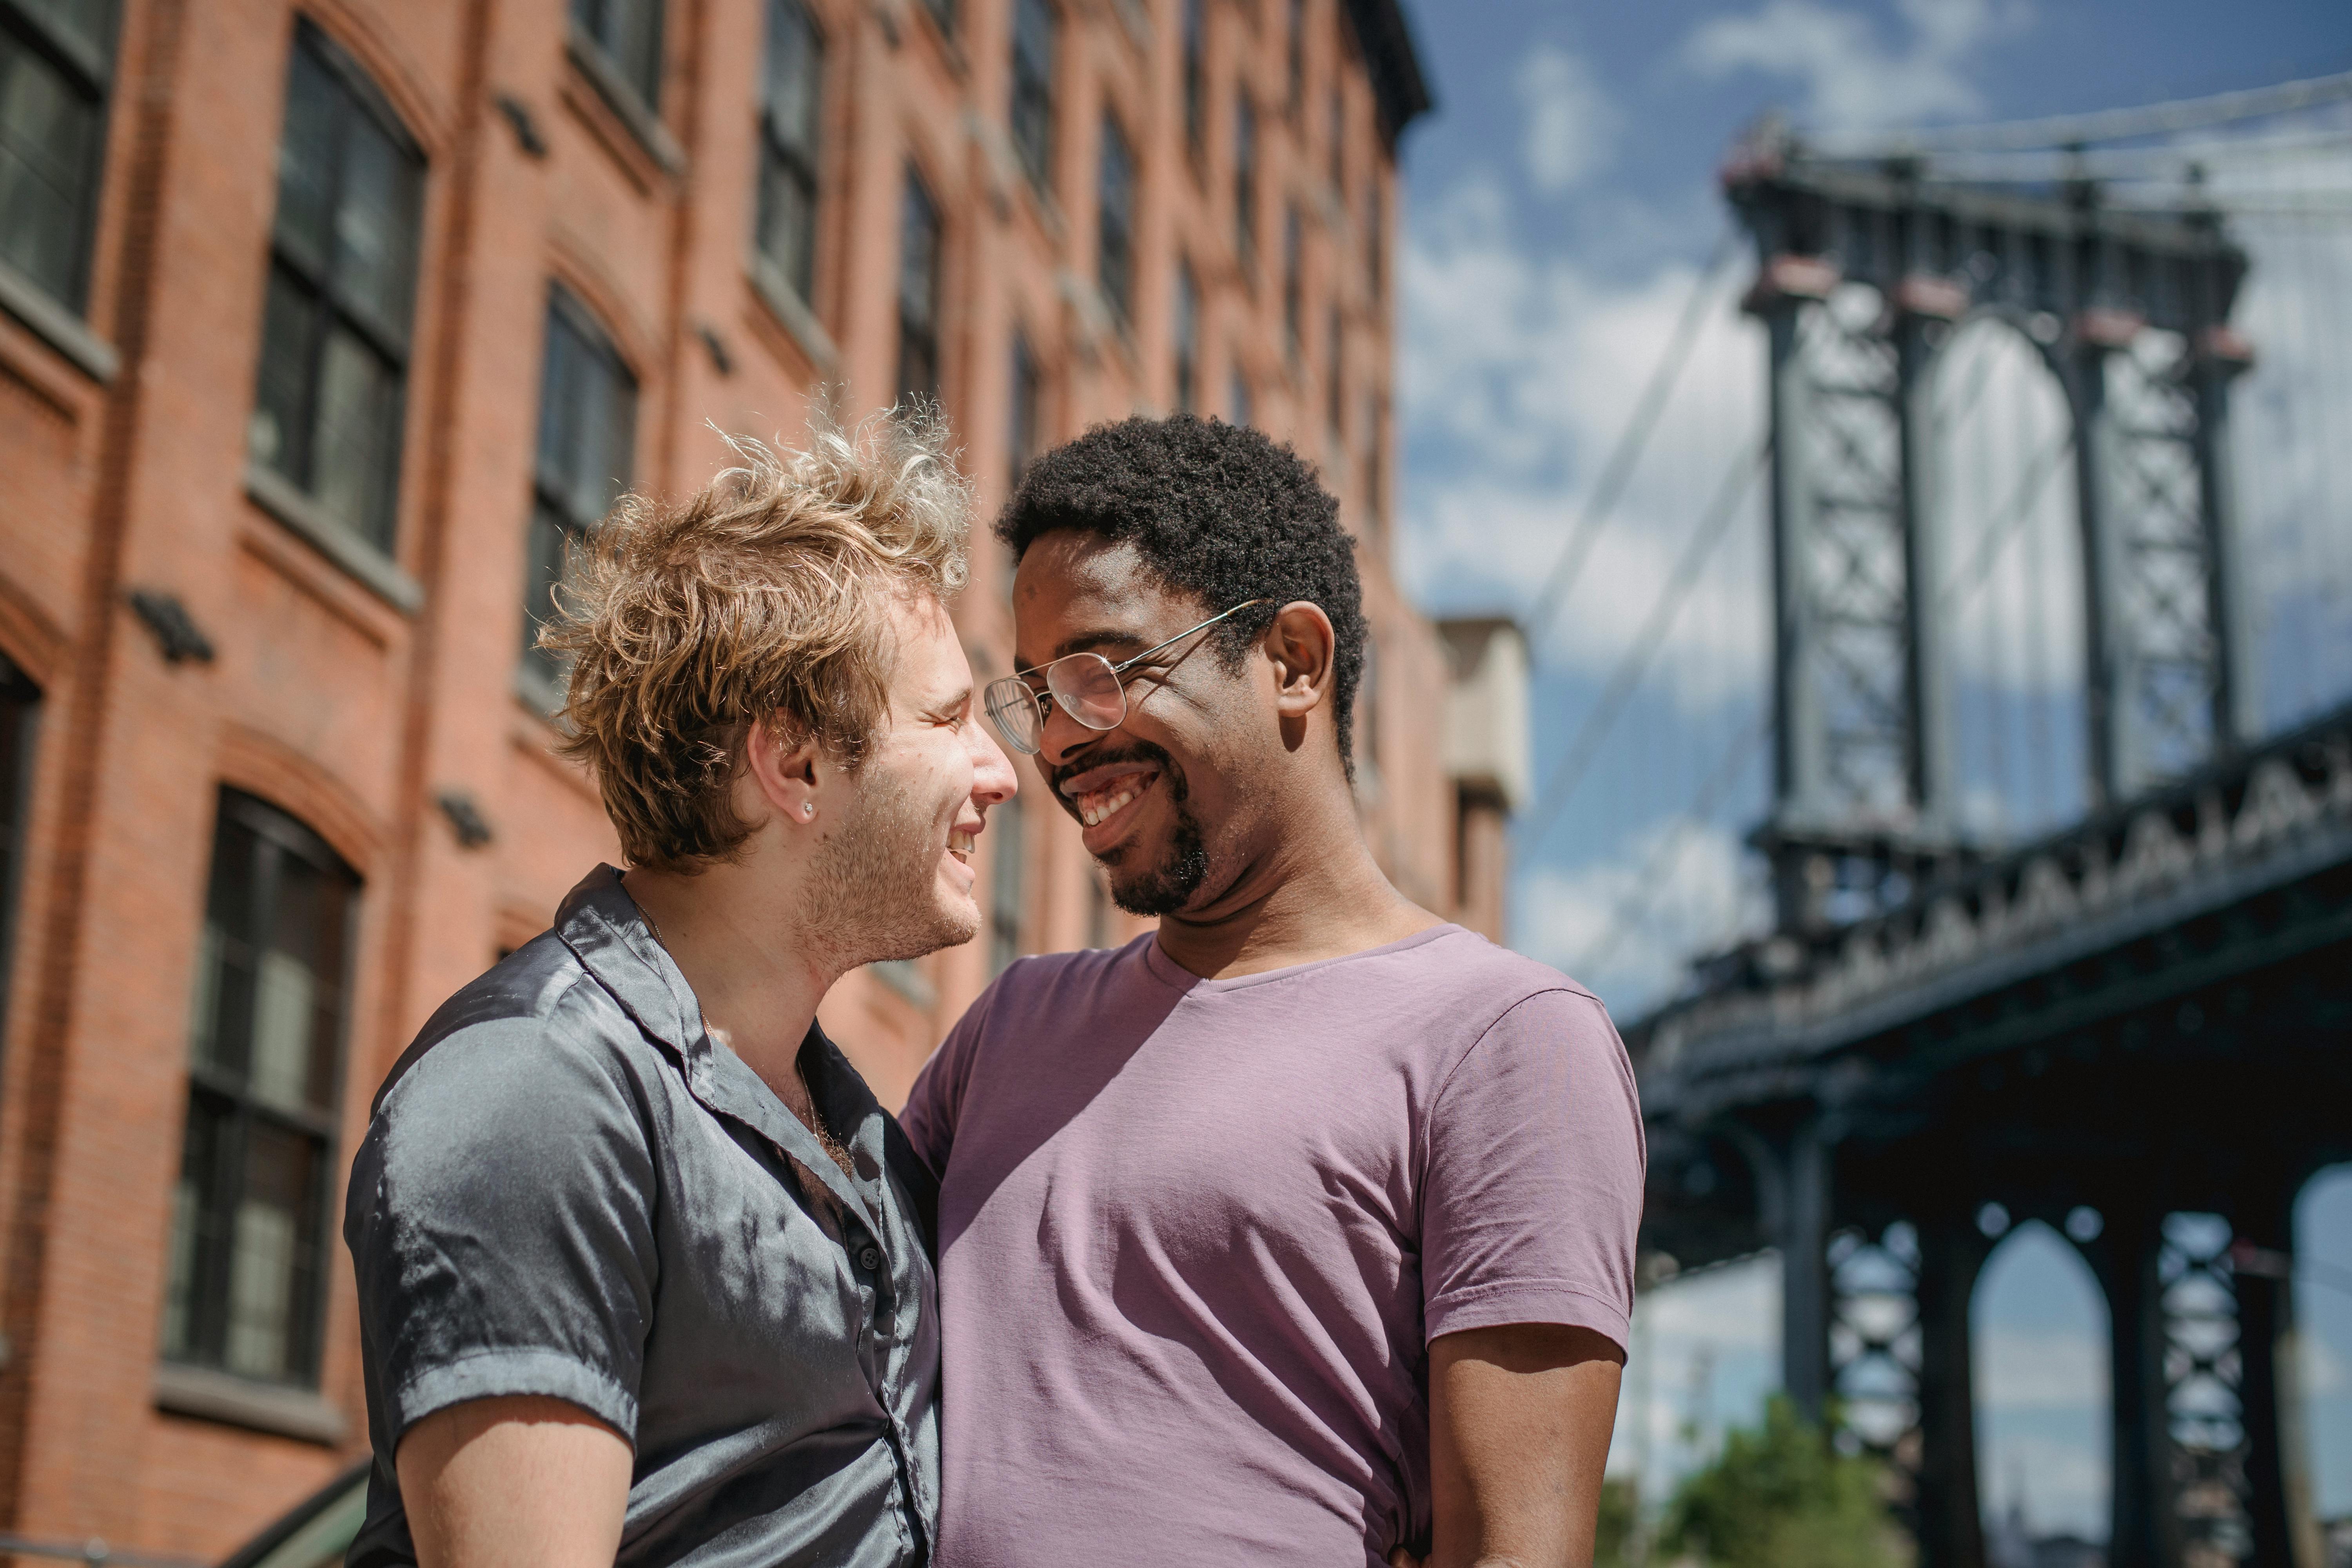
(1196, 1235)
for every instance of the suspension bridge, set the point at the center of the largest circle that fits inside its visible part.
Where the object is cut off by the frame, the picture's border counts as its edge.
(2055, 748)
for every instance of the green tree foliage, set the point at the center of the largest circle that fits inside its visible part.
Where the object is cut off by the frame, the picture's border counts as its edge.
(1613, 1541)
(1782, 1497)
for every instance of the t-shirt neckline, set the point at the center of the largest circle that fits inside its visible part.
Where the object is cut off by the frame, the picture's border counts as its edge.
(1169, 972)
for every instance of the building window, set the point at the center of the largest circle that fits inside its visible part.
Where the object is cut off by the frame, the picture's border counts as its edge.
(1237, 395)
(1034, 24)
(918, 294)
(1114, 224)
(250, 1216)
(1188, 338)
(1196, 87)
(20, 708)
(788, 133)
(56, 59)
(1022, 427)
(1005, 888)
(944, 12)
(587, 439)
(629, 33)
(1297, 55)
(1291, 300)
(343, 277)
(1333, 347)
(1245, 184)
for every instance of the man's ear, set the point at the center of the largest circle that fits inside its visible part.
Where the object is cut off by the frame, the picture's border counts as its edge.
(1300, 643)
(782, 770)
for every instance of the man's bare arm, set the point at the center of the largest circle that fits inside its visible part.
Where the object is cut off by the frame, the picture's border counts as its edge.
(1519, 1418)
(518, 1482)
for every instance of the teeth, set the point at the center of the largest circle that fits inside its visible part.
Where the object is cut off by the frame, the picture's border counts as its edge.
(1095, 814)
(961, 845)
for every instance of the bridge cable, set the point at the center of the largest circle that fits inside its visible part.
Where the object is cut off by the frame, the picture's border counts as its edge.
(2113, 124)
(1635, 662)
(1569, 565)
(1664, 859)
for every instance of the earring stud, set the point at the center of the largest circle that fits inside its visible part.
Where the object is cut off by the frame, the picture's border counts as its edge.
(807, 810)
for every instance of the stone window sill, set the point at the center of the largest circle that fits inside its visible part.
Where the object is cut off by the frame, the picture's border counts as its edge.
(279, 497)
(57, 326)
(234, 1401)
(785, 303)
(622, 100)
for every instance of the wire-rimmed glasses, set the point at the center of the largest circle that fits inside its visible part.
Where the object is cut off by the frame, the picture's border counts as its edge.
(1087, 686)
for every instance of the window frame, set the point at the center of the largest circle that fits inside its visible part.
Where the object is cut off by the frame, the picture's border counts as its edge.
(276, 834)
(88, 74)
(549, 506)
(1195, 25)
(1033, 91)
(1246, 137)
(802, 166)
(1187, 336)
(1114, 258)
(318, 289)
(915, 199)
(20, 734)
(647, 84)
(1293, 286)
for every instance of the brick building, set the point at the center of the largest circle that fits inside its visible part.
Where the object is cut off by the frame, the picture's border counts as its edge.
(323, 326)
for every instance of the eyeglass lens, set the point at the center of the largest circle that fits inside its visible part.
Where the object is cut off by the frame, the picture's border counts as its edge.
(1083, 685)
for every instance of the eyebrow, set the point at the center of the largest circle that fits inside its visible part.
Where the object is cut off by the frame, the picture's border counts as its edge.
(1100, 637)
(953, 704)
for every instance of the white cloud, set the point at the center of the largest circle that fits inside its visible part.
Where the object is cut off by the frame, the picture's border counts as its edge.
(1707, 895)
(1572, 123)
(2063, 1485)
(1851, 76)
(1524, 374)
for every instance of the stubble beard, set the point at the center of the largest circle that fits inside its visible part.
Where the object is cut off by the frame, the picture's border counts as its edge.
(874, 885)
(1171, 884)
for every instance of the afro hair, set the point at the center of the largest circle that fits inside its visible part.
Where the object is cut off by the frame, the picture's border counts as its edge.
(1220, 511)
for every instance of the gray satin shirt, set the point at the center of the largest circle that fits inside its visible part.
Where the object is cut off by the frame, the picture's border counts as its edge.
(567, 1188)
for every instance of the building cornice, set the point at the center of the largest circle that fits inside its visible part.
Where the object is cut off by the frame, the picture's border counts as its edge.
(1399, 85)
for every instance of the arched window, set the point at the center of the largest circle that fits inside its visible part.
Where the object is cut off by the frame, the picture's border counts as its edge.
(343, 281)
(56, 65)
(249, 1217)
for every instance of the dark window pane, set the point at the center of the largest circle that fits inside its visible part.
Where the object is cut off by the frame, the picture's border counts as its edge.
(587, 441)
(335, 330)
(249, 1216)
(20, 707)
(918, 294)
(83, 29)
(1291, 300)
(787, 221)
(1375, 240)
(50, 117)
(1024, 423)
(1195, 68)
(1237, 398)
(1005, 888)
(1187, 336)
(1332, 349)
(1033, 88)
(630, 33)
(1337, 140)
(1115, 253)
(354, 468)
(1245, 183)
(1298, 51)
(943, 12)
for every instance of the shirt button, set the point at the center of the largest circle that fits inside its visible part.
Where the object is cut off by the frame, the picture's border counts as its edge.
(870, 1259)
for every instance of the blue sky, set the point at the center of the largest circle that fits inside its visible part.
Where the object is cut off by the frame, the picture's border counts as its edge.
(1563, 205)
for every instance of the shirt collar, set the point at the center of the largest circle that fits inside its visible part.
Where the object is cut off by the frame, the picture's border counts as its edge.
(601, 923)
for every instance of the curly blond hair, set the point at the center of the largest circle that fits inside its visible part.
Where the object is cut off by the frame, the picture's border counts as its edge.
(763, 595)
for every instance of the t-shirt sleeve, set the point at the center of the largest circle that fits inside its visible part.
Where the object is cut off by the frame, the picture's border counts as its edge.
(500, 1223)
(930, 1117)
(1532, 1192)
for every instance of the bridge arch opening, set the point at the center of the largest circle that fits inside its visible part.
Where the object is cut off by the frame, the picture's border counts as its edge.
(2039, 1333)
(2323, 1314)
(2009, 584)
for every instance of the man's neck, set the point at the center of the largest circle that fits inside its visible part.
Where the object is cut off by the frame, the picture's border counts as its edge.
(753, 971)
(1316, 893)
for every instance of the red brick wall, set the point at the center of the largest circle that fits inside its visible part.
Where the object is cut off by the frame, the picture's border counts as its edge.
(353, 714)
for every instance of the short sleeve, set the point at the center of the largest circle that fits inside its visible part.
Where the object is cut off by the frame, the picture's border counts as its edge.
(1532, 1190)
(500, 1223)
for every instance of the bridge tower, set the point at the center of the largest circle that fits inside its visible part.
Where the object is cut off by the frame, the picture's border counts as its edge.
(1811, 1096)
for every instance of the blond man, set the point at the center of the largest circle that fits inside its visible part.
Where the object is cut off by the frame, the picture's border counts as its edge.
(642, 1266)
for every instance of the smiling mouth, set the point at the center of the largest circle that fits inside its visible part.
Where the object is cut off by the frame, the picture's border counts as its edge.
(960, 844)
(1098, 806)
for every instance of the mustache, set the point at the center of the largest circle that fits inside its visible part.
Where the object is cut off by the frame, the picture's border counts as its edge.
(1133, 752)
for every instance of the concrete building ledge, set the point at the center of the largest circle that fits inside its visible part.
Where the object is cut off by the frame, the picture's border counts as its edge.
(57, 326)
(274, 494)
(211, 1396)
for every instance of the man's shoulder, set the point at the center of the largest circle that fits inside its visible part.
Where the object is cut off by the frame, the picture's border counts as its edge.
(1459, 962)
(538, 1013)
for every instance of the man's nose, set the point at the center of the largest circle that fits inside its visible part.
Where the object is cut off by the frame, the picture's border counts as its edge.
(992, 778)
(1061, 737)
